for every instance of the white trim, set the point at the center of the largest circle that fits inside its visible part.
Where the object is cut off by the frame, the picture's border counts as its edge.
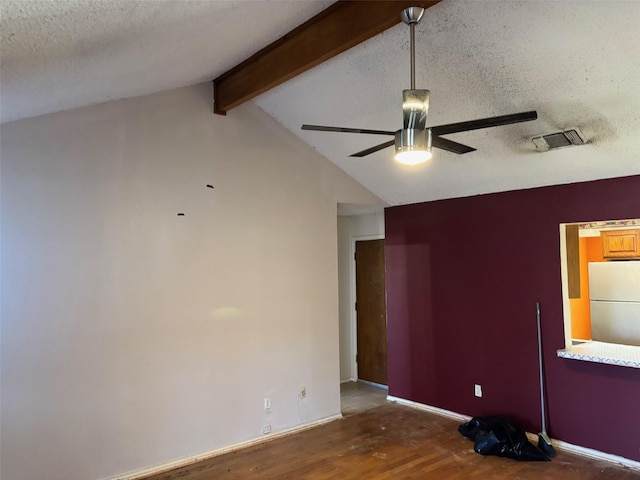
(533, 438)
(221, 451)
(352, 296)
(564, 276)
(347, 380)
(596, 454)
(429, 408)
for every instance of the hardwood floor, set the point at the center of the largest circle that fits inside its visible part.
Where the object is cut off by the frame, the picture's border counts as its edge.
(386, 442)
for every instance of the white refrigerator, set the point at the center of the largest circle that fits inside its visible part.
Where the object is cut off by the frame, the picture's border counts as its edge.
(614, 291)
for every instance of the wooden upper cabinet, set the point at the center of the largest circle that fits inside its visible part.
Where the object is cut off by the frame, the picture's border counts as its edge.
(620, 243)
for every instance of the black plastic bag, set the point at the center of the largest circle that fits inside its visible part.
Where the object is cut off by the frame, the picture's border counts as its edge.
(502, 437)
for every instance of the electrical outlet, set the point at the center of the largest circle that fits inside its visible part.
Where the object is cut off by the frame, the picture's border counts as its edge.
(303, 392)
(267, 403)
(266, 429)
(478, 390)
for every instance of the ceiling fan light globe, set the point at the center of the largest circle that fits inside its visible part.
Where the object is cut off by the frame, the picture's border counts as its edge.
(413, 146)
(413, 157)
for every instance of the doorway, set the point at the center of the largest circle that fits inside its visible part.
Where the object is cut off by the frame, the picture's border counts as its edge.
(371, 312)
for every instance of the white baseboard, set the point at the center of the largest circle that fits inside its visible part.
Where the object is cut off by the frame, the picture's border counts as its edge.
(429, 408)
(220, 451)
(347, 380)
(595, 454)
(533, 437)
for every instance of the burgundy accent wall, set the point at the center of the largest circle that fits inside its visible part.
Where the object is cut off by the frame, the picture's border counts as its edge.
(463, 277)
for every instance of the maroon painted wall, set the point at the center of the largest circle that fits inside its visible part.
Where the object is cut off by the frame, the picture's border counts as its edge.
(463, 277)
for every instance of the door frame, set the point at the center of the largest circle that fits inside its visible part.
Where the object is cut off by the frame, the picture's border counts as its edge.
(352, 298)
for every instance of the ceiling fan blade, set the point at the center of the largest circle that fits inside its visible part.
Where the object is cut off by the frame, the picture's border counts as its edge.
(366, 152)
(484, 123)
(449, 146)
(321, 128)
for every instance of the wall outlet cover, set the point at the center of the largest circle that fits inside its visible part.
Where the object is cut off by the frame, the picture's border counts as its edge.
(478, 390)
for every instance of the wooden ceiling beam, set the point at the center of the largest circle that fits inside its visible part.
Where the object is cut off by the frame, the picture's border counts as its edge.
(334, 30)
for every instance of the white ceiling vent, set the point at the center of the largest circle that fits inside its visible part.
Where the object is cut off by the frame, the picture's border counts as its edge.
(566, 138)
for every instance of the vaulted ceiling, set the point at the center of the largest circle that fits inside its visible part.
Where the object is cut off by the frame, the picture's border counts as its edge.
(575, 62)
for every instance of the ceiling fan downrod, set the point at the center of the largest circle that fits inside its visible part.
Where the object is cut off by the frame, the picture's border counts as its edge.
(412, 16)
(413, 142)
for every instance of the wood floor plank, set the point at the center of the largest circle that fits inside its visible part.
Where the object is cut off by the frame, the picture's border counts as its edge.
(388, 442)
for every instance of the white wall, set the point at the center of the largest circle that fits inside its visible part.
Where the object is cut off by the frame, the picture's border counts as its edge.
(351, 229)
(132, 337)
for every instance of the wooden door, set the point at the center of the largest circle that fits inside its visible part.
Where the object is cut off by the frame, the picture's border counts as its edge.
(371, 312)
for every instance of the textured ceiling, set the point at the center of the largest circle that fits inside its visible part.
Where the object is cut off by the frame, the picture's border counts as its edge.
(575, 62)
(62, 54)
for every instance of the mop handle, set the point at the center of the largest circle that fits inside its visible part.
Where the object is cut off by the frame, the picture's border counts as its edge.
(544, 429)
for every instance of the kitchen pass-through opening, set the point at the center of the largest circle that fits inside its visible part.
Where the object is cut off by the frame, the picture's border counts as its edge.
(600, 263)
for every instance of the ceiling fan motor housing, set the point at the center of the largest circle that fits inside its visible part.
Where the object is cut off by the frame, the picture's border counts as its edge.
(415, 106)
(413, 139)
(414, 136)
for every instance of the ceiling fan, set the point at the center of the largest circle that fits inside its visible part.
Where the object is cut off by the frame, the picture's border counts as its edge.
(414, 141)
